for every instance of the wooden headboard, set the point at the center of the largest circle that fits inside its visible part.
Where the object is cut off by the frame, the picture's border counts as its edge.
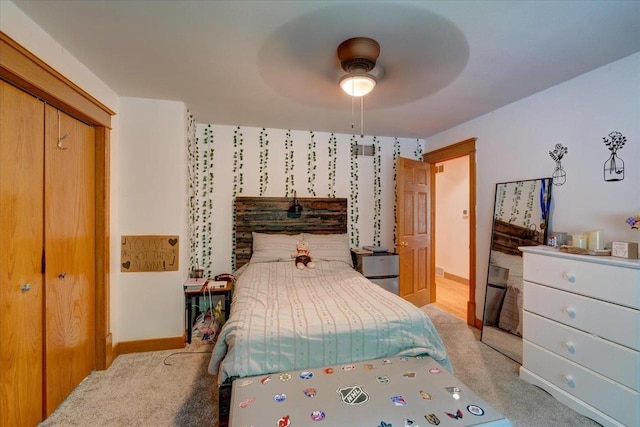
(269, 215)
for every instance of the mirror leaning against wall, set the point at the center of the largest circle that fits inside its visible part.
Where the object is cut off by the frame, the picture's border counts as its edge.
(520, 218)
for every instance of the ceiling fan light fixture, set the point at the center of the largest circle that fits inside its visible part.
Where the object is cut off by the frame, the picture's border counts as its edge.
(357, 84)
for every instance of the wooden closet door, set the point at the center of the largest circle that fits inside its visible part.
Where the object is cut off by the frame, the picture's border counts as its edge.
(69, 196)
(21, 244)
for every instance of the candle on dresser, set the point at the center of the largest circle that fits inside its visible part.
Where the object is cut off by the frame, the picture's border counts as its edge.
(579, 241)
(596, 240)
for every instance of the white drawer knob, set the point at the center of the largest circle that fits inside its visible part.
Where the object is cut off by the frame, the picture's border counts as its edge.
(571, 348)
(570, 311)
(570, 277)
(569, 380)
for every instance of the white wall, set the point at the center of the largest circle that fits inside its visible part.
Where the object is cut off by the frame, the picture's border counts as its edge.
(514, 143)
(152, 201)
(452, 226)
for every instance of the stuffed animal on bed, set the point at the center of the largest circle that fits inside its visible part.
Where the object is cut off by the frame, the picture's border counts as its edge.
(302, 255)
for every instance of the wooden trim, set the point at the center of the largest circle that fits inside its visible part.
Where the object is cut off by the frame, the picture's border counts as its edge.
(156, 344)
(460, 149)
(449, 152)
(102, 328)
(456, 278)
(23, 69)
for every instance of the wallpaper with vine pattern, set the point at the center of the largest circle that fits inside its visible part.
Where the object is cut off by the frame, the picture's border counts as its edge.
(273, 173)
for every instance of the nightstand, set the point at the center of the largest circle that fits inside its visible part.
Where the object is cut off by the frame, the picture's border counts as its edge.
(382, 268)
(192, 297)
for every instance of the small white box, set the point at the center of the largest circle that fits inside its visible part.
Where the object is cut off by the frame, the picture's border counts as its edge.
(627, 250)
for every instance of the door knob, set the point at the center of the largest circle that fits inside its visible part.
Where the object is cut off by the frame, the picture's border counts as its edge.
(62, 275)
(26, 287)
(403, 244)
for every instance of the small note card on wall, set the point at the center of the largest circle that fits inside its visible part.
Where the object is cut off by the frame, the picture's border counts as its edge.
(149, 253)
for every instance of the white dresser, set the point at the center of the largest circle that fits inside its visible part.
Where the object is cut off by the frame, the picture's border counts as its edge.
(581, 336)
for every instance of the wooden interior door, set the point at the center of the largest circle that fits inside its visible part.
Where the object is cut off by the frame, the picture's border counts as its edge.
(413, 231)
(21, 244)
(69, 229)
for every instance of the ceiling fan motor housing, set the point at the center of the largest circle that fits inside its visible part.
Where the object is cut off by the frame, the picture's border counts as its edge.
(358, 54)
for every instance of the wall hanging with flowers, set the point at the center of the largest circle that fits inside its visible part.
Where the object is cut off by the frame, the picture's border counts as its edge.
(614, 166)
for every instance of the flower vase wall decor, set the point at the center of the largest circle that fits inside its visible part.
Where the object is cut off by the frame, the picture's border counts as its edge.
(614, 166)
(559, 175)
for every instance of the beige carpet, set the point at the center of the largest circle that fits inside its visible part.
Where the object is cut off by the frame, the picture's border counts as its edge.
(140, 390)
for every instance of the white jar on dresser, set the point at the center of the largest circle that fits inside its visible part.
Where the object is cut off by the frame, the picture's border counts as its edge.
(581, 334)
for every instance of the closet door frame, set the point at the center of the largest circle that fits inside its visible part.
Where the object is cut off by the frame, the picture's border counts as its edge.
(21, 68)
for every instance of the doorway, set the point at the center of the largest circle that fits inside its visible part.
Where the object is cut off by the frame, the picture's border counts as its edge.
(459, 150)
(451, 188)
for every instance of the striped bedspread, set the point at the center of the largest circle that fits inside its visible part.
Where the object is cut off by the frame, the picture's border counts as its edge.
(285, 319)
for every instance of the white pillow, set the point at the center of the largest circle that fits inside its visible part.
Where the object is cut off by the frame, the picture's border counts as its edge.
(273, 247)
(329, 247)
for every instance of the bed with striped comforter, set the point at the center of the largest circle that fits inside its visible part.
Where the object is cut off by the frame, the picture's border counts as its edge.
(285, 319)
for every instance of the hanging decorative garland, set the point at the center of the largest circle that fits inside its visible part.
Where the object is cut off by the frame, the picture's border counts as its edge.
(288, 164)
(238, 181)
(377, 192)
(311, 165)
(418, 153)
(264, 160)
(396, 155)
(193, 181)
(353, 203)
(200, 176)
(333, 148)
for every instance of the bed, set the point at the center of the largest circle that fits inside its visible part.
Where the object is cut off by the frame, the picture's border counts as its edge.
(283, 318)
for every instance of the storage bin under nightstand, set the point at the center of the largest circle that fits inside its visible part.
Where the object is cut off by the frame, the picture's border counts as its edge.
(381, 268)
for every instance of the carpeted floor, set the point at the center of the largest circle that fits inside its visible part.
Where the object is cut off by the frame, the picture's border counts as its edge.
(140, 390)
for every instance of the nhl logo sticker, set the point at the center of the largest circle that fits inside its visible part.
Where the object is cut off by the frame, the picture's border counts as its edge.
(306, 375)
(280, 397)
(433, 420)
(328, 371)
(475, 410)
(398, 401)
(284, 421)
(353, 395)
(247, 402)
(310, 392)
(369, 367)
(317, 415)
(348, 367)
(383, 379)
(285, 377)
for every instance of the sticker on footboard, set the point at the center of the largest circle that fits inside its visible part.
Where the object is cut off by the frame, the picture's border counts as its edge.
(353, 395)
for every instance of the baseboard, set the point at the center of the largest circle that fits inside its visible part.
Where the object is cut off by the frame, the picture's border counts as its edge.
(141, 346)
(456, 278)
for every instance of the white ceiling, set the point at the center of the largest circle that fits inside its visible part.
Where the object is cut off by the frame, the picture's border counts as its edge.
(274, 64)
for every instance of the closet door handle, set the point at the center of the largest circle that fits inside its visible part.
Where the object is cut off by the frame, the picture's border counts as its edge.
(62, 275)
(25, 288)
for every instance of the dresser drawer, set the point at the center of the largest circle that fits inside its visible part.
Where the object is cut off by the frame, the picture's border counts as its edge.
(615, 400)
(609, 321)
(606, 282)
(585, 349)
